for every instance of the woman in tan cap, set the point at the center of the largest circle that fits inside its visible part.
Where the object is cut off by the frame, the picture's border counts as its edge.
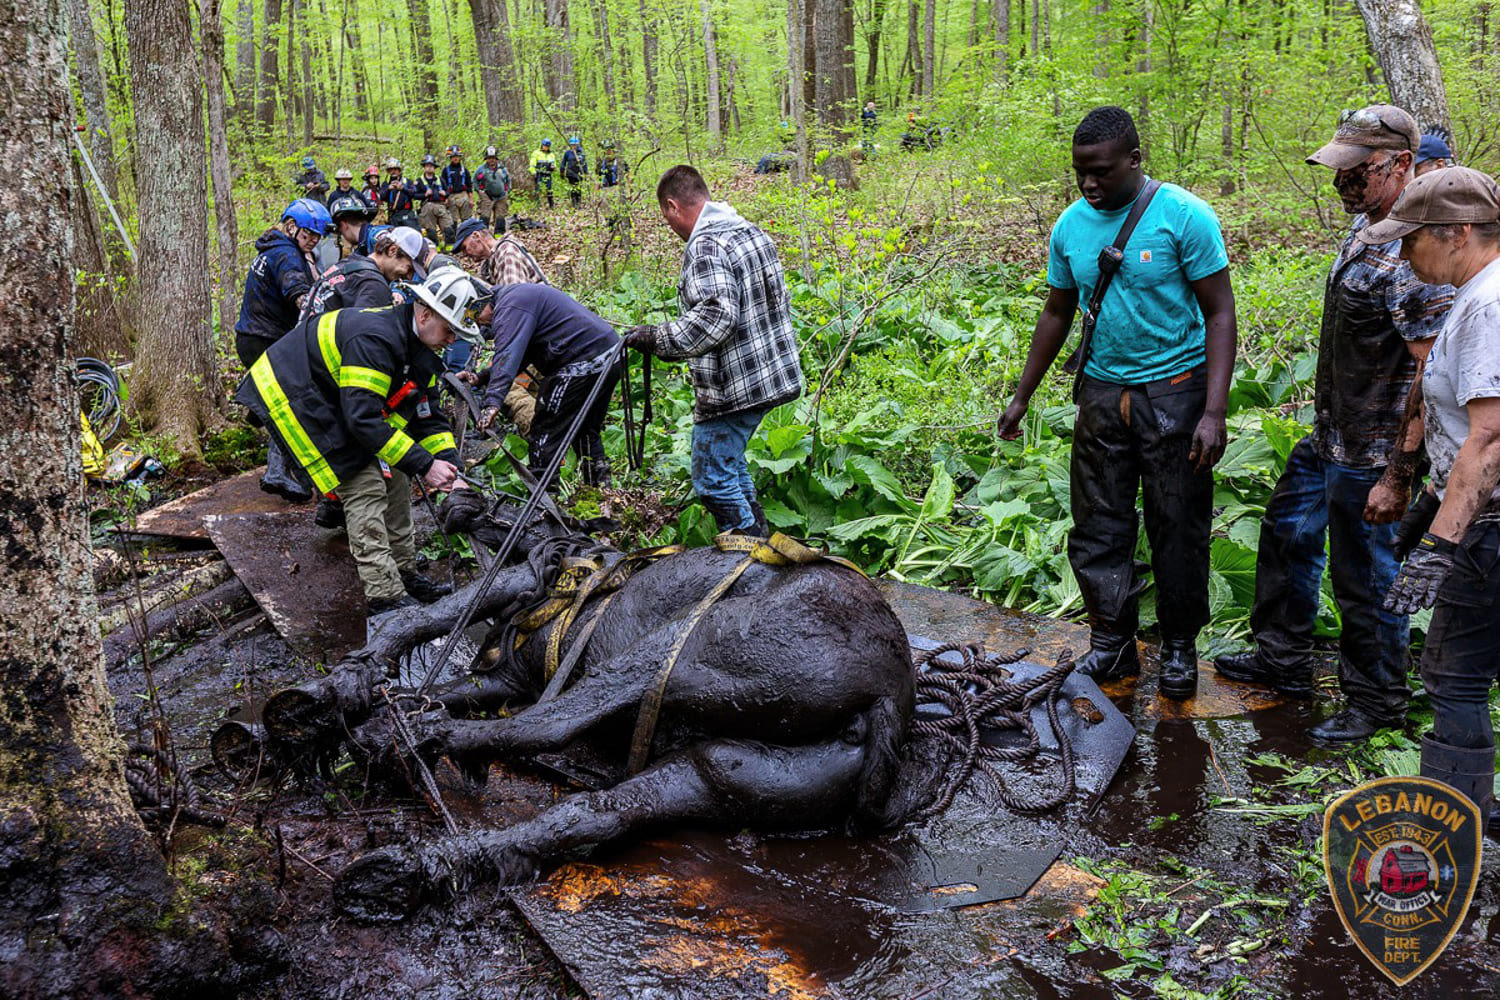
(1448, 222)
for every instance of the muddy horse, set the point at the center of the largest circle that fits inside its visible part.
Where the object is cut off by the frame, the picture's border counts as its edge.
(753, 683)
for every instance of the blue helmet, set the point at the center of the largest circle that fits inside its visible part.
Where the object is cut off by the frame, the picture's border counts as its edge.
(573, 140)
(307, 163)
(309, 214)
(546, 142)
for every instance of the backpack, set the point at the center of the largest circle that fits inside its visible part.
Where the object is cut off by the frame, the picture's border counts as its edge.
(324, 289)
(494, 182)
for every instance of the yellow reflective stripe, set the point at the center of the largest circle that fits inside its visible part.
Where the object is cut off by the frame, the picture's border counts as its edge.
(396, 420)
(436, 443)
(280, 411)
(329, 345)
(396, 447)
(355, 377)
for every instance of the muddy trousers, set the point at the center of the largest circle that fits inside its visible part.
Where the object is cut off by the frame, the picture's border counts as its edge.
(377, 514)
(437, 221)
(492, 211)
(721, 477)
(562, 396)
(1129, 438)
(1314, 499)
(460, 206)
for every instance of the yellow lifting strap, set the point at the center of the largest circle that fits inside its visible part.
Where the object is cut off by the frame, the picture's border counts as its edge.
(580, 580)
(778, 550)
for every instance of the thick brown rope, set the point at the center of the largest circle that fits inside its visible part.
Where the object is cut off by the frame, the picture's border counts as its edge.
(981, 693)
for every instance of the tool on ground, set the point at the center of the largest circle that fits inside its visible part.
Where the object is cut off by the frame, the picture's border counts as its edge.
(466, 395)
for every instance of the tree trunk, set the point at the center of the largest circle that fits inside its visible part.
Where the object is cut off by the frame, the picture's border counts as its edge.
(175, 388)
(796, 20)
(648, 57)
(82, 882)
(929, 48)
(1036, 26)
(711, 58)
(267, 88)
(872, 45)
(356, 60)
(914, 45)
(91, 85)
(307, 79)
(244, 61)
(426, 86)
(1408, 58)
(293, 92)
(212, 25)
(1101, 39)
(1001, 14)
(483, 13)
(512, 100)
(606, 53)
(561, 86)
(809, 54)
(828, 59)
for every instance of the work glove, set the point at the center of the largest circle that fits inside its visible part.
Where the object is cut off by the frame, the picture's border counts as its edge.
(1421, 576)
(487, 417)
(1415, 522)
(642, 338)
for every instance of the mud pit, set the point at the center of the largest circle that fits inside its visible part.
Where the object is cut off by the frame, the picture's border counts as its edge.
(708, 915)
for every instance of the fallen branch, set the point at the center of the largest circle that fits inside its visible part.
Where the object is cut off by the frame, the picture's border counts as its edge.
(184, 616)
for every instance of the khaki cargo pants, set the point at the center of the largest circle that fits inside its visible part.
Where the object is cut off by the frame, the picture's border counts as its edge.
(459, 206)
(377, 513)
(493, 210)
(436, 220)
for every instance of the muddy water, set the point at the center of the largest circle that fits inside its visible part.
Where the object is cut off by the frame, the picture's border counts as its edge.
(793, 929)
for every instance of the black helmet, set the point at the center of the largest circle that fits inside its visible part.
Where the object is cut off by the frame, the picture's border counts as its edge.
(428, 160)
(350, 205)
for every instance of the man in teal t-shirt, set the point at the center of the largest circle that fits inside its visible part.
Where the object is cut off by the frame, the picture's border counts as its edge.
(1151, 399)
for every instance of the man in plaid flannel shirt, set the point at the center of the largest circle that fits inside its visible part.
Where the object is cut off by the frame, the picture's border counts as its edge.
(735, 333)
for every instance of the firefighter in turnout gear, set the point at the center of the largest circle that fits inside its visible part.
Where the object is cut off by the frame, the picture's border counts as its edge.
(492, 181)
(437, 221)
(352, 396)
(399, 196)
(543, 166)
(371, 192)
(575, 170)
(459, 184)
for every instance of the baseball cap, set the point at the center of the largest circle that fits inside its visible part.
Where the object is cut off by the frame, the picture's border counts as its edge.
(1439, 198)
(409, 240)
(1362, 132)
(466, 228)
(1433, 147)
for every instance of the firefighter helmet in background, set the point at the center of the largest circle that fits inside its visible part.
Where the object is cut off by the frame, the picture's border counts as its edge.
(343, 174)
(490, 151)
(350, 205)
(391, 163)
(308, 163)
(450, 293)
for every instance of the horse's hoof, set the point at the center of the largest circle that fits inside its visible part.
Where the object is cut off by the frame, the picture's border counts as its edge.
(382, 887)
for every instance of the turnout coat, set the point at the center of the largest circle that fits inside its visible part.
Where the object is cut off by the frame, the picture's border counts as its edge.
(350, 386)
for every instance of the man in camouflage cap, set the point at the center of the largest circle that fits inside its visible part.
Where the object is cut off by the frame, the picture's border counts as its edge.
(1350, 479)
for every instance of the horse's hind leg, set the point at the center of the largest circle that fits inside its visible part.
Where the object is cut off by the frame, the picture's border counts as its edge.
(724, 783)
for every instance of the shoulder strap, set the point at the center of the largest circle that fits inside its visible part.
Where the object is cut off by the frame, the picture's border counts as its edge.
(1109, 265)
(1142, 202)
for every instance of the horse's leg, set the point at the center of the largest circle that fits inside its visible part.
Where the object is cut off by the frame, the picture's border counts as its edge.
(724, 782)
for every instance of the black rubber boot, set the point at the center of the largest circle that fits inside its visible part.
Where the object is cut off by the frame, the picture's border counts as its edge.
(1349, 726)
(1466, 770)
(1179, 669)
(389, 604)
(424, 588)
(1110, 656)
(284, 476)
(330, 513)
(1250, 668)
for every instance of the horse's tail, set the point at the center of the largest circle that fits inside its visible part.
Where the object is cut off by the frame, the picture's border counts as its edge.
(884, 737)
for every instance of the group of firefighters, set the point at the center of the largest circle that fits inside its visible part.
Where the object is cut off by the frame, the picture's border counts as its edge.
(343, 371)
(436, 202)
(344, 366)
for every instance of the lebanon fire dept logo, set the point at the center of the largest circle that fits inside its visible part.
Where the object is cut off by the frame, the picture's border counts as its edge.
(1402, 859)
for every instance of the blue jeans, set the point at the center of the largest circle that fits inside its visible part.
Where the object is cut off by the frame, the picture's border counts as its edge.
(1314, 498)
(720, 476)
